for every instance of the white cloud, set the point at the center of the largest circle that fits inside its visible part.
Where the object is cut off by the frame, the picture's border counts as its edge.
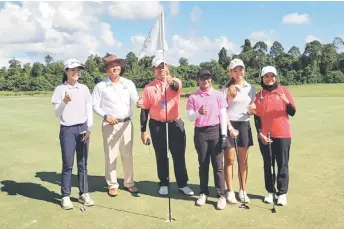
(196, 14)
(256, 36)
(310, 38)
(134, 10)
(174, 8)
(107, 35)
(295, 18)
(60, 29)
(195, 49)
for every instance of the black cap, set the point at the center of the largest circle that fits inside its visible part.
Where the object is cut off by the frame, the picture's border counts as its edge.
(204, 74)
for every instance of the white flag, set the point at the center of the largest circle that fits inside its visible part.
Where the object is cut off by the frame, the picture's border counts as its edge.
(155, 41)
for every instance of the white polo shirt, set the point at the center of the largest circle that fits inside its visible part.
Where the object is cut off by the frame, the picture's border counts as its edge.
(78, 110)
(238, 107)
(115, 99)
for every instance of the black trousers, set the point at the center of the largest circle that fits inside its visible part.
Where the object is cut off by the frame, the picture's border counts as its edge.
(177, 144)
(207, 144)
(280, 153)
(70, 141)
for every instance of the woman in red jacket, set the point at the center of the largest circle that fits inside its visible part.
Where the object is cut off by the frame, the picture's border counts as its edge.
(274, 104)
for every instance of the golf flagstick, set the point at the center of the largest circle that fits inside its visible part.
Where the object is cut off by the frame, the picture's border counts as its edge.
(162, 42)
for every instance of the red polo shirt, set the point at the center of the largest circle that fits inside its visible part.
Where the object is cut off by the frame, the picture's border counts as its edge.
(272, 111)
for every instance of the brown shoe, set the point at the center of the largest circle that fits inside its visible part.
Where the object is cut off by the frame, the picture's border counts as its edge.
(113, 192)
(132, 189)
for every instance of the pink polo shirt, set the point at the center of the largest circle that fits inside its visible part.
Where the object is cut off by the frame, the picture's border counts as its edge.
(213, 100)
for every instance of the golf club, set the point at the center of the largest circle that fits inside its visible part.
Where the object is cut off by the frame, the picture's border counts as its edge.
(84, 145)
(273, 210)
(243, 205)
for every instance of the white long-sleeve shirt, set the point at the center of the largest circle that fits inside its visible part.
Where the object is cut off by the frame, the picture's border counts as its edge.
(115, 99)
(78, 110)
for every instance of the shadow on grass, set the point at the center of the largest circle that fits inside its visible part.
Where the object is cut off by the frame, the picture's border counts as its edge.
(98, 184)
(149, 188)
(31, 190)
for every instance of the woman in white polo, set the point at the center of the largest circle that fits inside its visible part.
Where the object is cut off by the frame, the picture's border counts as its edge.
(73, 106)
(239, 94)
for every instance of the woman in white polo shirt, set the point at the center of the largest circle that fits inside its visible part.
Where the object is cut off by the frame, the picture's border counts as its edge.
(73, 106)
(239, 94)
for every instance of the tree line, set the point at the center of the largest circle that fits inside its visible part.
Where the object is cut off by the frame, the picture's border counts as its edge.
(318, 63)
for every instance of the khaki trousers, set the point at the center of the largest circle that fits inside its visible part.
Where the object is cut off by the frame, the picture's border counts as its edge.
(118, 139)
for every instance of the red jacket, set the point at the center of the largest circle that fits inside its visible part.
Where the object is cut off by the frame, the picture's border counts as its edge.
(272, 111)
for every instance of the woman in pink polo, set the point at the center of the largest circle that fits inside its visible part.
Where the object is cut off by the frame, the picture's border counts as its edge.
(274, 104)
(207, 107)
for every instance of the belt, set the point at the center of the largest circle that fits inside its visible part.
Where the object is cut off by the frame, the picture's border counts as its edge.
(168, 121)
(123, 120)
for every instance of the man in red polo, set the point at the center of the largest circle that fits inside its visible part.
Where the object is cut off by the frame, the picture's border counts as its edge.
(154, 104)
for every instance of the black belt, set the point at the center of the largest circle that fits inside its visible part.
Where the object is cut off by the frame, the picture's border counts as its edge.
(123, 120)
(169, 121)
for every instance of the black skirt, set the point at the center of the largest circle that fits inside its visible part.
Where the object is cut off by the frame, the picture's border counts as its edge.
(244, 138)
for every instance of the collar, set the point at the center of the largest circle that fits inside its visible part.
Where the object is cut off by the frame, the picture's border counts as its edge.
(76, 85)
(109, 82)
(202, 93)
(245, 84)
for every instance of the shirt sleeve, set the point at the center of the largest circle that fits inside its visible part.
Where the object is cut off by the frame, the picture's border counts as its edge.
(223, 121)
(57, 96)
(291, 108)
(134, 96)
(180, 84)
(96, 100)
(146, 99)
(222, 101)
(192, 114)
(252, 93)
(190, 103)
(89, 110)
(257, 102)
(289, 97)
(57, 101)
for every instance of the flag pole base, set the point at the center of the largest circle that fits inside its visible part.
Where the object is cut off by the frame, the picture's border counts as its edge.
(170, 221)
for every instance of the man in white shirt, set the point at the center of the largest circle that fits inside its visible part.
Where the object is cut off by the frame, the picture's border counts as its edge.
(112, 100)
(73, 106)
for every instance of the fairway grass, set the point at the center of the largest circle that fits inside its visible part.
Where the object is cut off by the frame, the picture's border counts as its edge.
(30, 169)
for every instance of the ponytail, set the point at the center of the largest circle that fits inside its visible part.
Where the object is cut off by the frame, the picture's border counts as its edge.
(64, 79)
(232, 92)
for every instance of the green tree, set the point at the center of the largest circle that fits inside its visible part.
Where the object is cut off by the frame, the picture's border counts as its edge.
(247, 46)
(183, 61)
(48, 59)
(276, 49)
(294, 52)
(260, 47)
(219, 74)
(224, 60)
(37, 69)
(328, 58)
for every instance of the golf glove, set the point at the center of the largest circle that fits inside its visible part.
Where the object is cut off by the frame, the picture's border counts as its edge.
(224, 142)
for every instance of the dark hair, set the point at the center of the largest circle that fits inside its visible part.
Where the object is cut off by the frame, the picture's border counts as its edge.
(64, 78)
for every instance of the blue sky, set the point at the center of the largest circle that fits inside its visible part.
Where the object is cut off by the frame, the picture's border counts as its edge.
(214, 24)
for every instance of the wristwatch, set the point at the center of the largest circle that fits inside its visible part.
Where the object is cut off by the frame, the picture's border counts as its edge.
(105, 117)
